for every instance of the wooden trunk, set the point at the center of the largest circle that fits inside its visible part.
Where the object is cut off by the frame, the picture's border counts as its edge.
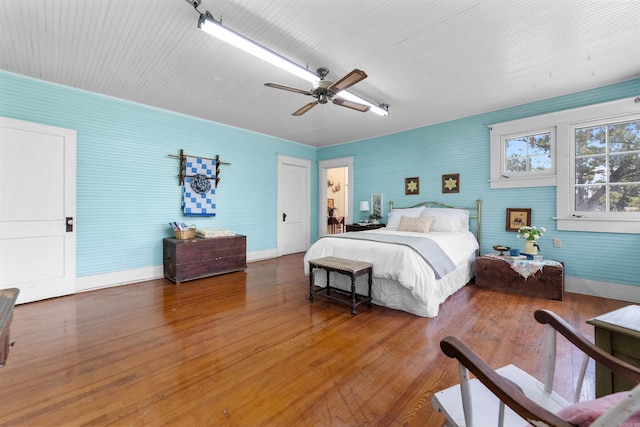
(498, 274)
(197, 258)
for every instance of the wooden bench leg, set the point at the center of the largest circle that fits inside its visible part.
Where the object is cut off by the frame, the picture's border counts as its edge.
(328, 287)
(311, 281)
(370, 283)
(353, 294)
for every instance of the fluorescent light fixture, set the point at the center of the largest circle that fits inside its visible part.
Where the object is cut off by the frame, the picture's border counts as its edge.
(216, 29)
(212, 27)
(380, 110)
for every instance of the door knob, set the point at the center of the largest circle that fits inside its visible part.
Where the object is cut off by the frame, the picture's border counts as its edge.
(284, 217)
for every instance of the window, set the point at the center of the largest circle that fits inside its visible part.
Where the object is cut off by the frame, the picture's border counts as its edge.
(591, 154)
(522, 159)
(607, 167)
(528, 153)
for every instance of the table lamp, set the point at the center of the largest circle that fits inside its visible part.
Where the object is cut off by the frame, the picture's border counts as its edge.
(364, 207)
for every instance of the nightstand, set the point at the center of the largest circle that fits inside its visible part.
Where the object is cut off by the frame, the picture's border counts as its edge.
(358, 227)
(617, 333)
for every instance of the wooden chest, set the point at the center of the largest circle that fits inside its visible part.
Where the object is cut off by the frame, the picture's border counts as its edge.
(196, 258)
(498, 274)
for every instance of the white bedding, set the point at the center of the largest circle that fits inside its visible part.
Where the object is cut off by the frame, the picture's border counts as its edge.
(402, 279)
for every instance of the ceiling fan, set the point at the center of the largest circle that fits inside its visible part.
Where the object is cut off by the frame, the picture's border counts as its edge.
(325, 91)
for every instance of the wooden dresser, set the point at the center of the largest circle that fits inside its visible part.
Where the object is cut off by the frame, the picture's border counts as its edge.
(196, 258)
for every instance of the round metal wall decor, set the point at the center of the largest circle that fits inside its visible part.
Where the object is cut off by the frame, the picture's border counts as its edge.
(200, 183)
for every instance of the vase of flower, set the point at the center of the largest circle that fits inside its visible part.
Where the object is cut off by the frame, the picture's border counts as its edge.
(530, 247)
(531, 236)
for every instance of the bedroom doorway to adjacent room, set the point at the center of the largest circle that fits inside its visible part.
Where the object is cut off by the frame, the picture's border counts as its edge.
(336, 199)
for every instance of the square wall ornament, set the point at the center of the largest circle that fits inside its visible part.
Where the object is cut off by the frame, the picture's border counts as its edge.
(518, 217)
(412, 185)
(451, 183)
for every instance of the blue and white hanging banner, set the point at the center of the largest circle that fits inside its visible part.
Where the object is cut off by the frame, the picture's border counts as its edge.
(199, 191)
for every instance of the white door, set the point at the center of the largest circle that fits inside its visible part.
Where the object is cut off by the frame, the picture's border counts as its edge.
(293, 205)
(37, 200)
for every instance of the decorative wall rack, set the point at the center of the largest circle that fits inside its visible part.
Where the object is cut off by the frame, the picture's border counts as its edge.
(183, 159)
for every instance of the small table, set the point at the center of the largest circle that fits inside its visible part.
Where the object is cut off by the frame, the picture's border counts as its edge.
(617, 333)
(354, 269)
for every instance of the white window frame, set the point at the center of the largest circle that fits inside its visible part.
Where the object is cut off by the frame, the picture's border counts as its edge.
(500, 178)
(564, 123)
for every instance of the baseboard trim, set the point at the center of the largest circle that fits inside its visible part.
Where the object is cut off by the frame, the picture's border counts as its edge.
(596, 288)
(126, 277)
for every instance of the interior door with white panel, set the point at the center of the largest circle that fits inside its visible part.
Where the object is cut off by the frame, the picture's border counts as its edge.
(293, 205)
(37, 209)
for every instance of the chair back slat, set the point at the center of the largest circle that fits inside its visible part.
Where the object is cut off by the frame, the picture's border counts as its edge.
(583, 370)
(549, 357)
(465, 391)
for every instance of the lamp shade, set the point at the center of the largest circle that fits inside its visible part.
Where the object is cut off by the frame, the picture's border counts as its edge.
(364, 206)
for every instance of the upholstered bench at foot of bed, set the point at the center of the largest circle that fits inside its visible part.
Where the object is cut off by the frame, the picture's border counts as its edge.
(351, 268)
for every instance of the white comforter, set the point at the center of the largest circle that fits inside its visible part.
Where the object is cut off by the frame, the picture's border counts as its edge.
(399, 262)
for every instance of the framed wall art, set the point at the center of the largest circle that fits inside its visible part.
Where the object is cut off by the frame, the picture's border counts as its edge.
(412, 185)
(376, 206)
(518, 217)
(451, 183)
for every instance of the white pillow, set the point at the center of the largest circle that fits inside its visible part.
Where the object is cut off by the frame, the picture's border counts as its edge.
(421, 224)
(460, 214)
(393, 217)
(447, 223)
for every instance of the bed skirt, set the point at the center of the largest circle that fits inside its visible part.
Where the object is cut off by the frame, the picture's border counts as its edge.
(390, 293)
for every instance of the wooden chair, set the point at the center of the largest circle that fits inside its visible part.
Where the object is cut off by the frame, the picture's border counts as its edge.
(481, 402)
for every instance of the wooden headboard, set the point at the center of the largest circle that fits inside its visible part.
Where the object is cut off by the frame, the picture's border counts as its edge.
(475, 212)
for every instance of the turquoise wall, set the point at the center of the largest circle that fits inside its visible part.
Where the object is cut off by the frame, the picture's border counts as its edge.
(462, 146)
(127, 188)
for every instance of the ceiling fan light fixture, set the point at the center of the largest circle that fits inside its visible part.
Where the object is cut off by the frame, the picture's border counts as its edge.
(381, 110)
(216, 29)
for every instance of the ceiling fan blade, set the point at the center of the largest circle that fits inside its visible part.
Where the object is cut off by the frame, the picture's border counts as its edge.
(349, 104)
(289, 88)
(347, 81)
(304, 109)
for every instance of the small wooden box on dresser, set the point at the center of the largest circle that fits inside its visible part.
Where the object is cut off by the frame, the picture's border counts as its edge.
(196, 258)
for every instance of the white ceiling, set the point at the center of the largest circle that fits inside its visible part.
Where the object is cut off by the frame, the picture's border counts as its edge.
(431, 60)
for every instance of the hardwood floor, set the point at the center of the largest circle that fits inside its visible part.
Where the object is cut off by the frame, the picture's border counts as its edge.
(249, 349)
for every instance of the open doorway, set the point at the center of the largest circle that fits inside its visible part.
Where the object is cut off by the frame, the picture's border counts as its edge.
(336, 200)
(337, 207)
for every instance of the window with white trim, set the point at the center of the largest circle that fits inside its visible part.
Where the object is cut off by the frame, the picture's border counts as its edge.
(593, 160)
(607, 167)
(522, 159)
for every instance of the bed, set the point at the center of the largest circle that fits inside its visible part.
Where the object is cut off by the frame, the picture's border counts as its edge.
(425, 254)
